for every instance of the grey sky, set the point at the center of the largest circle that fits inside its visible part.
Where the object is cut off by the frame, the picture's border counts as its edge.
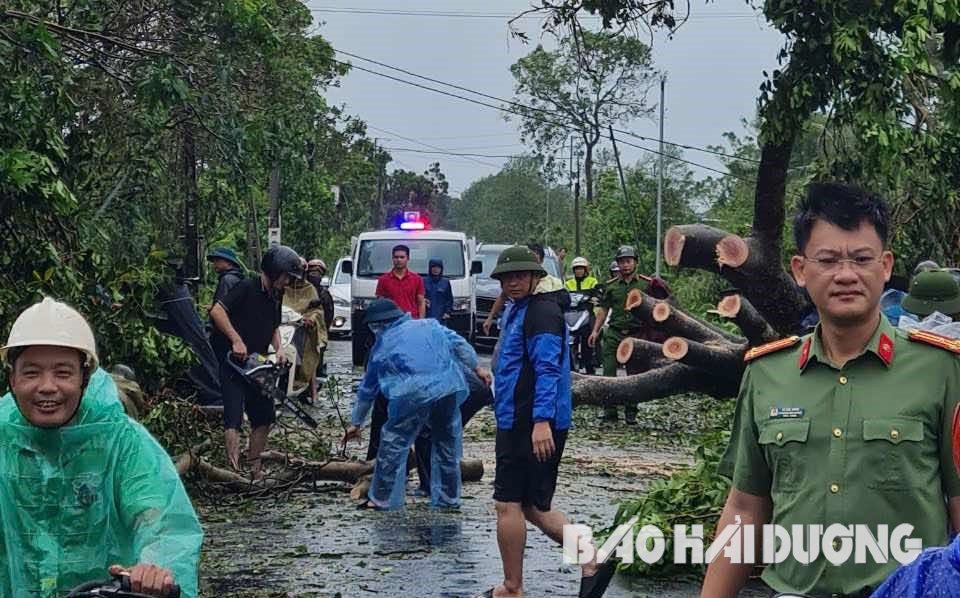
(714, 66)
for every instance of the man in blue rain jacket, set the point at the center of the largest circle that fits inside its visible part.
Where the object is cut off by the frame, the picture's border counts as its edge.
(414, 363)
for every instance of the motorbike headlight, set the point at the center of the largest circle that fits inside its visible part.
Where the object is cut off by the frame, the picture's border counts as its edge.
(461, 305)
(362, 303)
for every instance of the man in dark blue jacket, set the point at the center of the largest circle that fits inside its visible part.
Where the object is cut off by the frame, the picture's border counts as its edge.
(533, 407)
(439, 294)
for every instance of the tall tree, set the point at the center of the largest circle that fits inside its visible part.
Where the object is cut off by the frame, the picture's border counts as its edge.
(886, 77)
(515, 205)
(592, 81)
(97, 101)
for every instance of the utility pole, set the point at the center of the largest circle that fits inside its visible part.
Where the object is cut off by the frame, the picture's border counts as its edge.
(663, 87)
(191, 237)
(623, 185)
(377, 215)
(575, 182)
(273, 192)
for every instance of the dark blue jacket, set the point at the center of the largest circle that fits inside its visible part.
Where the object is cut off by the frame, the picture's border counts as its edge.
(532, 377)
(439, 293)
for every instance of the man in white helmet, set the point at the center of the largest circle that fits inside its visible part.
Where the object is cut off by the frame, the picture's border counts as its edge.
(583, 282)
(83, 488)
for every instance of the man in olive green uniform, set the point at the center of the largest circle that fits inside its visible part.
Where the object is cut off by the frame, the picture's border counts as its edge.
(848, 425)
(622, 322)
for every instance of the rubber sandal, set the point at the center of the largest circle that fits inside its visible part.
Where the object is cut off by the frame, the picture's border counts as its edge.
(368, 504)
(595, 585)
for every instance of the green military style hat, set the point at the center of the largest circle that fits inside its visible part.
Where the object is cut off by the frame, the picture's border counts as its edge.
(517, 259)
(931, 291)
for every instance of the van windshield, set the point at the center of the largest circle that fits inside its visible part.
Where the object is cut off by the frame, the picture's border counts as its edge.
(376, 256)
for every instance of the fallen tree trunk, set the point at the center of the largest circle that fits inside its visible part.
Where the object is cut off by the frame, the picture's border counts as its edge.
(705, 356)
(640, 355)
(742, 313)
(673, 320)
(665, 381)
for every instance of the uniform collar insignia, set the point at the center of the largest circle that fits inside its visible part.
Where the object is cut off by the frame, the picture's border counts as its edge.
(885, 349)
(805, 353)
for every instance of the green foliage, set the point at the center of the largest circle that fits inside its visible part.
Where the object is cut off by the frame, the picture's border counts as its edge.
(690, 496)
(111, 114)
(592, 81)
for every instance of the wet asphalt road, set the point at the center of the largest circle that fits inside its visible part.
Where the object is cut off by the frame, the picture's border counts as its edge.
(318, 544)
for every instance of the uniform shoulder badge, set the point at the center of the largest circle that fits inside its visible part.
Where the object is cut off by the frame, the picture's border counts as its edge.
(929, 338)
(772, 347)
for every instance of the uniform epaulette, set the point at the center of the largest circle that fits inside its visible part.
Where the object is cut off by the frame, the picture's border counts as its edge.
(771, 347)
(930, 338)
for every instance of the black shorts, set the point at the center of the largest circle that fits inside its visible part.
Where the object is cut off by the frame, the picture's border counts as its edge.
(520, 477)
(239, 396)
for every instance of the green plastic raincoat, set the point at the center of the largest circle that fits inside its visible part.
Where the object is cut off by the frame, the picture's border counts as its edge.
(97, 492)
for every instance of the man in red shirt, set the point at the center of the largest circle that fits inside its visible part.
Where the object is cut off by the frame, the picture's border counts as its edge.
(403, 287)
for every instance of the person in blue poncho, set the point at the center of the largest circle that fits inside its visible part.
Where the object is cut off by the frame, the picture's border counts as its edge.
(439, 294)
(418, 366)
(936, 572)
(83, 488)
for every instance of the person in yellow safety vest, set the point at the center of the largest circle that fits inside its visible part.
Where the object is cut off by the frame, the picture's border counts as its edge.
(583, 282)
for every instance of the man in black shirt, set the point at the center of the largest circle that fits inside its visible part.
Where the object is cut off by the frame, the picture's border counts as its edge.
(246, 322)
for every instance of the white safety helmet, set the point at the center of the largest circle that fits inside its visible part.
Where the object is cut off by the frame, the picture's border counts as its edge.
(52, 323)
(579, 262)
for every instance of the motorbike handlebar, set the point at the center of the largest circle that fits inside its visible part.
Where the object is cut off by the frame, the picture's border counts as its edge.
(119, 587)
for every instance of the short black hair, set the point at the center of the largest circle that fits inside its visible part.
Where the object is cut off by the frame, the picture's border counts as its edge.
(842, 205)
(537, 248)
(403, 248)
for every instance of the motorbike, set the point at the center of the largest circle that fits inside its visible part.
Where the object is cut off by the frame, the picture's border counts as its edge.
(579, 319)
(117, 587)
(274, 380)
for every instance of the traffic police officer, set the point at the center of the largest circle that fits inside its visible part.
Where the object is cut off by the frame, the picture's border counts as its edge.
(848, 425)
(622, 322)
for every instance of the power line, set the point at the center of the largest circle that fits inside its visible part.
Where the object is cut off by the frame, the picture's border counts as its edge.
(418, 142)
(503, 109)
(453, 153)
(538, 109)
(491, 15)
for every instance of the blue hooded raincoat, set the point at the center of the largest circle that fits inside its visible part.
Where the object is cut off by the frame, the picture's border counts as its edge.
(438, 293)
(934, 574)
(99, 491)
(417, 365)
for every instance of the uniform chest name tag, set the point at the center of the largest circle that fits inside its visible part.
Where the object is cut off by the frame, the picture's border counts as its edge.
(785, 412)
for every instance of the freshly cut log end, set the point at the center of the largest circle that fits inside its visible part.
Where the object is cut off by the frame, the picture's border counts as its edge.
(673, 246)
(732, 251)
(634, 299)
(729, 306)
(675, 348)
(661, 311)
(625, 350)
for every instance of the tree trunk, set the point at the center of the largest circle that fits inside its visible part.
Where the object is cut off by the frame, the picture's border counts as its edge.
(700, 356)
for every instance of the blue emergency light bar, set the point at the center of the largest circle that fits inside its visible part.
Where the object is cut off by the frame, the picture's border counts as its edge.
(412, 220)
